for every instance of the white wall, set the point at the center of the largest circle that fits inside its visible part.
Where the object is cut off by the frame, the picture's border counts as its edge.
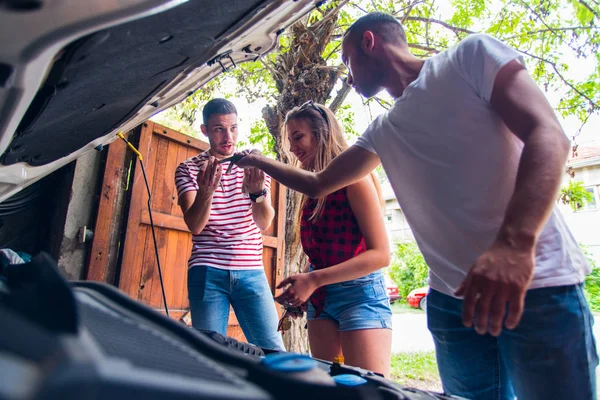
(83, 200)
(585, 224)
(396, 226)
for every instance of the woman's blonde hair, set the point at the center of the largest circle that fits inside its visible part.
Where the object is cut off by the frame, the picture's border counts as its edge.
(328, 134)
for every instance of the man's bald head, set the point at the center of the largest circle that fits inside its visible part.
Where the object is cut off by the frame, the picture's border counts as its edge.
(383, 25)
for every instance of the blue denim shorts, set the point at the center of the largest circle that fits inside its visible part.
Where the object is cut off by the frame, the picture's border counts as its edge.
(362, 303)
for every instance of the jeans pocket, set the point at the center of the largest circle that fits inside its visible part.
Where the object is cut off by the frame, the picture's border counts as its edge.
(196, 283)
(380, 289)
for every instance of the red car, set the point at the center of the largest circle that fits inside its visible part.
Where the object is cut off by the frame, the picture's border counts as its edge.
(392, 289)
(418, 298)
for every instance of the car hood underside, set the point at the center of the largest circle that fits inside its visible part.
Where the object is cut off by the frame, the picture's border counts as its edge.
(91, 71)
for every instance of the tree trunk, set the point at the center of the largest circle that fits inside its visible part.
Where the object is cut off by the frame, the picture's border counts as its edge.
(301, 74)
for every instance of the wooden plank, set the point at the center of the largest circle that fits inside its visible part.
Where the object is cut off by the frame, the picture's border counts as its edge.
(168, 268)
(268, 258)
(182, 155)
(163, 220)
(130, 270)
(233, 318)
(159, 189)
(156, 299)
(269, 241)
(280, 211)
(170, 192)
(180, 268)
(103, 250)
(147, 268)
(235, 332)
(270, 231)
(167, 221)
(197, 144)
(234, 329)
(145, 246)
(137, 266)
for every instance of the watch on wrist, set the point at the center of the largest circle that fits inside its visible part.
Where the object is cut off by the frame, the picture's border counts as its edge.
(258, 197)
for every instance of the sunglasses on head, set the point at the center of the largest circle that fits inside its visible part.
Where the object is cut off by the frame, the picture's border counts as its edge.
(310, 103)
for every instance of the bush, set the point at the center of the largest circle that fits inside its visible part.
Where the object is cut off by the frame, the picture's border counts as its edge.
(575, 195)
(592, 282)
(408, 269)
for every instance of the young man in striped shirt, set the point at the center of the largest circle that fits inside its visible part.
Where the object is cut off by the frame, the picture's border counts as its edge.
(225, 267)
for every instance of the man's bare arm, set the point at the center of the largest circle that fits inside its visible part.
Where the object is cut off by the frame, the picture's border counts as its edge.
(196, 210)
(527, 113)
(347, 168)
(195, 205)
(503, 273)
(263, 213)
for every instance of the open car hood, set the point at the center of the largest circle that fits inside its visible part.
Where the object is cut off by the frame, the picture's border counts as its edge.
(74, 73)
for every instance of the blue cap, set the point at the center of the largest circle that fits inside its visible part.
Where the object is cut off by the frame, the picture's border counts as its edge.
(349, 380)
(289, 362)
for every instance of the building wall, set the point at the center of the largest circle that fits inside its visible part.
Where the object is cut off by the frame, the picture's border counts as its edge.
(396, 225)
(585, 223)
(82, 203)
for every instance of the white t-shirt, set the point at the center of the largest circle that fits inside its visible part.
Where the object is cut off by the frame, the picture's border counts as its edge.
(452, 163)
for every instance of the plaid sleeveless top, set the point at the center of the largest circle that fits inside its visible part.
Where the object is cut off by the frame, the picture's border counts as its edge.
(333, 238)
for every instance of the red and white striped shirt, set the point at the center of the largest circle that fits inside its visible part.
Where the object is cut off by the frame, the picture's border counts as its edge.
(230, 239)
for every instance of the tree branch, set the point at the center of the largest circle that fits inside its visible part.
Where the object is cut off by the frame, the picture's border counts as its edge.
(340, 96)
(538, 16)
(582, 125)
(549, 28)
(409, 7)
(454, 29)
(586, 5)
(562, 78)
(330, 14)
(423, 47)
(569, 28)
(408, 11)
(381, 103)
(359, 7)
(333, 51)
(336, 68)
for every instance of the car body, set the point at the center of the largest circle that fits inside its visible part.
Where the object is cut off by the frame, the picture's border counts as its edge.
(75, 73)
(417, 298)
(392, 289)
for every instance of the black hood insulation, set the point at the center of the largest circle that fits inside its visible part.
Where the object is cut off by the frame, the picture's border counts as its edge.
(101, 80)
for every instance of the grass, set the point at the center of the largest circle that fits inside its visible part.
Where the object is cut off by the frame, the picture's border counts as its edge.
(417, 370)
(402, 307)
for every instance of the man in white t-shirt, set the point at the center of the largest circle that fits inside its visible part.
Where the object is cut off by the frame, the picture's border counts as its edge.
(475, 155)
(226, 264)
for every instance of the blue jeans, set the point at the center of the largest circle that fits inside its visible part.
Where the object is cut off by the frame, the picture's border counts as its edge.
(211, 291)
(551, 354)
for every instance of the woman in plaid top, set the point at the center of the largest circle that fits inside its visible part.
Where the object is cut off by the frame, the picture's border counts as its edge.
(344, 237)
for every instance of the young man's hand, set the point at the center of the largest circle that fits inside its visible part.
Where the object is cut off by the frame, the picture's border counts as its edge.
(254, 180)
(209, 176)
(301, 286)
(501, 275)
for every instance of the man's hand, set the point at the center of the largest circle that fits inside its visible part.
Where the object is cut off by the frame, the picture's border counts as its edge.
(209, 176)
(500, 275)
(301, 286)
(254, 180)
